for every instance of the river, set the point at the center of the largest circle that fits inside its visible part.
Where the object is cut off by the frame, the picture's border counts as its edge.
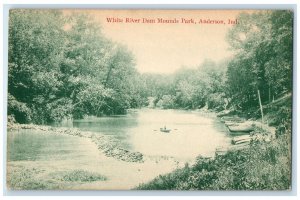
(192, 133)
(47, 157)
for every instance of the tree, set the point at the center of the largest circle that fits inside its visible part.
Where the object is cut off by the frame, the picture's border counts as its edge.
(262, 42)
(60, 65)
(279, 67)
(34, 49)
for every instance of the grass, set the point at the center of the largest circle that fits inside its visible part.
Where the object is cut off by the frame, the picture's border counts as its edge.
(22, 178)
(82, 176)
(262, 166)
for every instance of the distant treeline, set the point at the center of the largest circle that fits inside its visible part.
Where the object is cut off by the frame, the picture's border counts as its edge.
(263, 59)
(61, 65)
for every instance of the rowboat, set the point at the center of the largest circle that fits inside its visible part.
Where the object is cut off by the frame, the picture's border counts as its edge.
(232, 119)
(241, 139)
(165, 130)
(241, 127)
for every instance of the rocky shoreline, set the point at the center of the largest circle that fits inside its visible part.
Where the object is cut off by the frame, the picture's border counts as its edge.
(104, 143)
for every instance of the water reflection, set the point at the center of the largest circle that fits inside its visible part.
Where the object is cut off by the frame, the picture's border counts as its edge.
(191, 134)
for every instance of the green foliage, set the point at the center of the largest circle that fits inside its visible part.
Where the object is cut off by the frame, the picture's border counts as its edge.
(263, 58)
(279, 68)
(166, 102)
(263, 45)
(279, 112)
(82, 176)
(188, 88)
(262, 166)
(92, 99)
(22, 178)
(216, 101)
(18, 110)
(60, 65)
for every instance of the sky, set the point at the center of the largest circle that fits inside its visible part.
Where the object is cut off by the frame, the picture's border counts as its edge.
(166, 47)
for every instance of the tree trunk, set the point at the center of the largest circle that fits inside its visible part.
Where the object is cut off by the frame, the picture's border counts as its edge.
(269, 93)
(260, 105)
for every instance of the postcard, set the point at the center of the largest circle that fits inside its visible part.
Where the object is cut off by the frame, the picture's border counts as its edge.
(102, 99)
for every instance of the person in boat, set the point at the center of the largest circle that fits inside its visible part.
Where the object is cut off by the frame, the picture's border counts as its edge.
(165, 129)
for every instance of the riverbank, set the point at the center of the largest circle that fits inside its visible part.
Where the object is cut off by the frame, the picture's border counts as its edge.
(257, 167)
(79, 160)
(245, 131)
(102, 157)
(259, 160)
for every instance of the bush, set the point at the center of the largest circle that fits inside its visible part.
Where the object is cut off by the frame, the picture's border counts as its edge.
(166, 102)
(48, 112)
(216, 101)
(82, 176)
(59, 109)
(18, 110)
(21, 178)
(262, 166)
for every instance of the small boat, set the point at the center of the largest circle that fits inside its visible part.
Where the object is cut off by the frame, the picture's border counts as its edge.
(241, 127)
(224, 113)
(230, 123)
(235, 119)
(165, 130)
(241, 139)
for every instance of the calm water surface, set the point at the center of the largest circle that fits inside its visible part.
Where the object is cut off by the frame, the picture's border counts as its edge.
(191, 134)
